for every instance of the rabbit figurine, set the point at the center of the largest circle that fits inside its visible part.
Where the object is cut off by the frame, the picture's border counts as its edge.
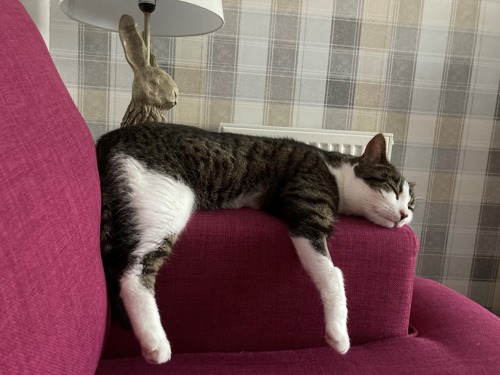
(153, 90)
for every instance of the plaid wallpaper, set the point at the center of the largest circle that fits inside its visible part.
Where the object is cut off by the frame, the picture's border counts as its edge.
(426, 70)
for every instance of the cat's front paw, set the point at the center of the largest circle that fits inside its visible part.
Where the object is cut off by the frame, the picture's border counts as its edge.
(336, 320)
(336, 334)
(157, 351)
(340, 342)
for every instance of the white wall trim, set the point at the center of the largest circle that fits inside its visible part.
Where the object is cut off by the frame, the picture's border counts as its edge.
(39, 10)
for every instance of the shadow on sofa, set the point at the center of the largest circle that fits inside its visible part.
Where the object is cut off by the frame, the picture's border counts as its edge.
(234, 298)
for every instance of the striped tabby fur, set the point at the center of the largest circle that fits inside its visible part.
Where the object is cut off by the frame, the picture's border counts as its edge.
(154, 176)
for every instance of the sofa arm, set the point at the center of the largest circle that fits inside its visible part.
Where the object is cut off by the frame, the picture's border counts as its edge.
(235, 283)
(466, 335)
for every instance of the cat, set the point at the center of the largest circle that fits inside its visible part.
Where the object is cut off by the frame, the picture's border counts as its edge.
(154, 176)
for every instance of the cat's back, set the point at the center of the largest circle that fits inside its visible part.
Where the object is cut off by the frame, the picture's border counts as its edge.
(166, 141)
(220, 168)
(144, 137)
(193, 154)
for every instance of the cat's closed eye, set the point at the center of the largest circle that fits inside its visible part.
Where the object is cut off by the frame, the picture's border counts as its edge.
(396, 190)
(374, 179)
(411, 205)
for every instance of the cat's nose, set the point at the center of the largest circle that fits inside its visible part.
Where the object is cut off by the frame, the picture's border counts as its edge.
(403, 214)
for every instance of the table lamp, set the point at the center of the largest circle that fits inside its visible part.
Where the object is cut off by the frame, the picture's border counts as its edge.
(153, 90)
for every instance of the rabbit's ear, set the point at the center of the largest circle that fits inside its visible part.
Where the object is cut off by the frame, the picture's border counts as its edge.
(132, 42)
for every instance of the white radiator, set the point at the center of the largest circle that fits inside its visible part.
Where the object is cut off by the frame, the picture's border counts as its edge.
(346, 142)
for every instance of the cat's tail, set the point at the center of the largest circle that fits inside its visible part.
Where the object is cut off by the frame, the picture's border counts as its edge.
(105, 168)
(106, 224)
(112, 260)
(109, 261)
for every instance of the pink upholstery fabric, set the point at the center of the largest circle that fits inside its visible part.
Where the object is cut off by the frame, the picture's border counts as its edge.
(455, 337)
(234, 283)
(52, 291)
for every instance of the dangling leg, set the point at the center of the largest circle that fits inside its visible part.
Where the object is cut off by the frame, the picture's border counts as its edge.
(161, 208)
(137, 293)
(329, 281)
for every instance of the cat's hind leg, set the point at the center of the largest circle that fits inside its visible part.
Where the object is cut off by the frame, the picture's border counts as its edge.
(140, 304)
(161, 207)
(329, 281)
(137, 293)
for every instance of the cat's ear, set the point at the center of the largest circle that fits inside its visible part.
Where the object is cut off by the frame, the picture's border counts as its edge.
(375, 150)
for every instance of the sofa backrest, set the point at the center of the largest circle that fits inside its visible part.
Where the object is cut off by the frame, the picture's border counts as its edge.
(53, 309)
(234, 283)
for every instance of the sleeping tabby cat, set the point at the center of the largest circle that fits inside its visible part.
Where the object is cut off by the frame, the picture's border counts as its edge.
(154, 176)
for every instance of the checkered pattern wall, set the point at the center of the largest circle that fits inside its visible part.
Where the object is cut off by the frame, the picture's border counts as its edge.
(426, 70)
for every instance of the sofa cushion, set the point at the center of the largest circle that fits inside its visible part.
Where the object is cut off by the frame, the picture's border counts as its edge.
(235, 283)
(52, 291)
(455, 337)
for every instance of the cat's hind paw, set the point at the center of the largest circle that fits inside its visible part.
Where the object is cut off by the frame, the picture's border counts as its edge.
(158, 353)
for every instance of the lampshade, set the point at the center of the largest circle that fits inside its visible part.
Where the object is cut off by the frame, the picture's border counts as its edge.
(170, 18)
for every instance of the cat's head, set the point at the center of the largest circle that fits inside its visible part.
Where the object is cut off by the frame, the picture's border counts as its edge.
(378, 191)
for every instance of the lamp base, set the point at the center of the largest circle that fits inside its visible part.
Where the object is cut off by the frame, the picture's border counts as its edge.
(153, 90)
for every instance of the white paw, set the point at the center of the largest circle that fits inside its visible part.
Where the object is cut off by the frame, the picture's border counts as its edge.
(339, 342)
(336, 334)
(156, 349)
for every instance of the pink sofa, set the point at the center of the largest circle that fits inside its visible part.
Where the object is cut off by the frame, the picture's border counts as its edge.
(234, 297)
